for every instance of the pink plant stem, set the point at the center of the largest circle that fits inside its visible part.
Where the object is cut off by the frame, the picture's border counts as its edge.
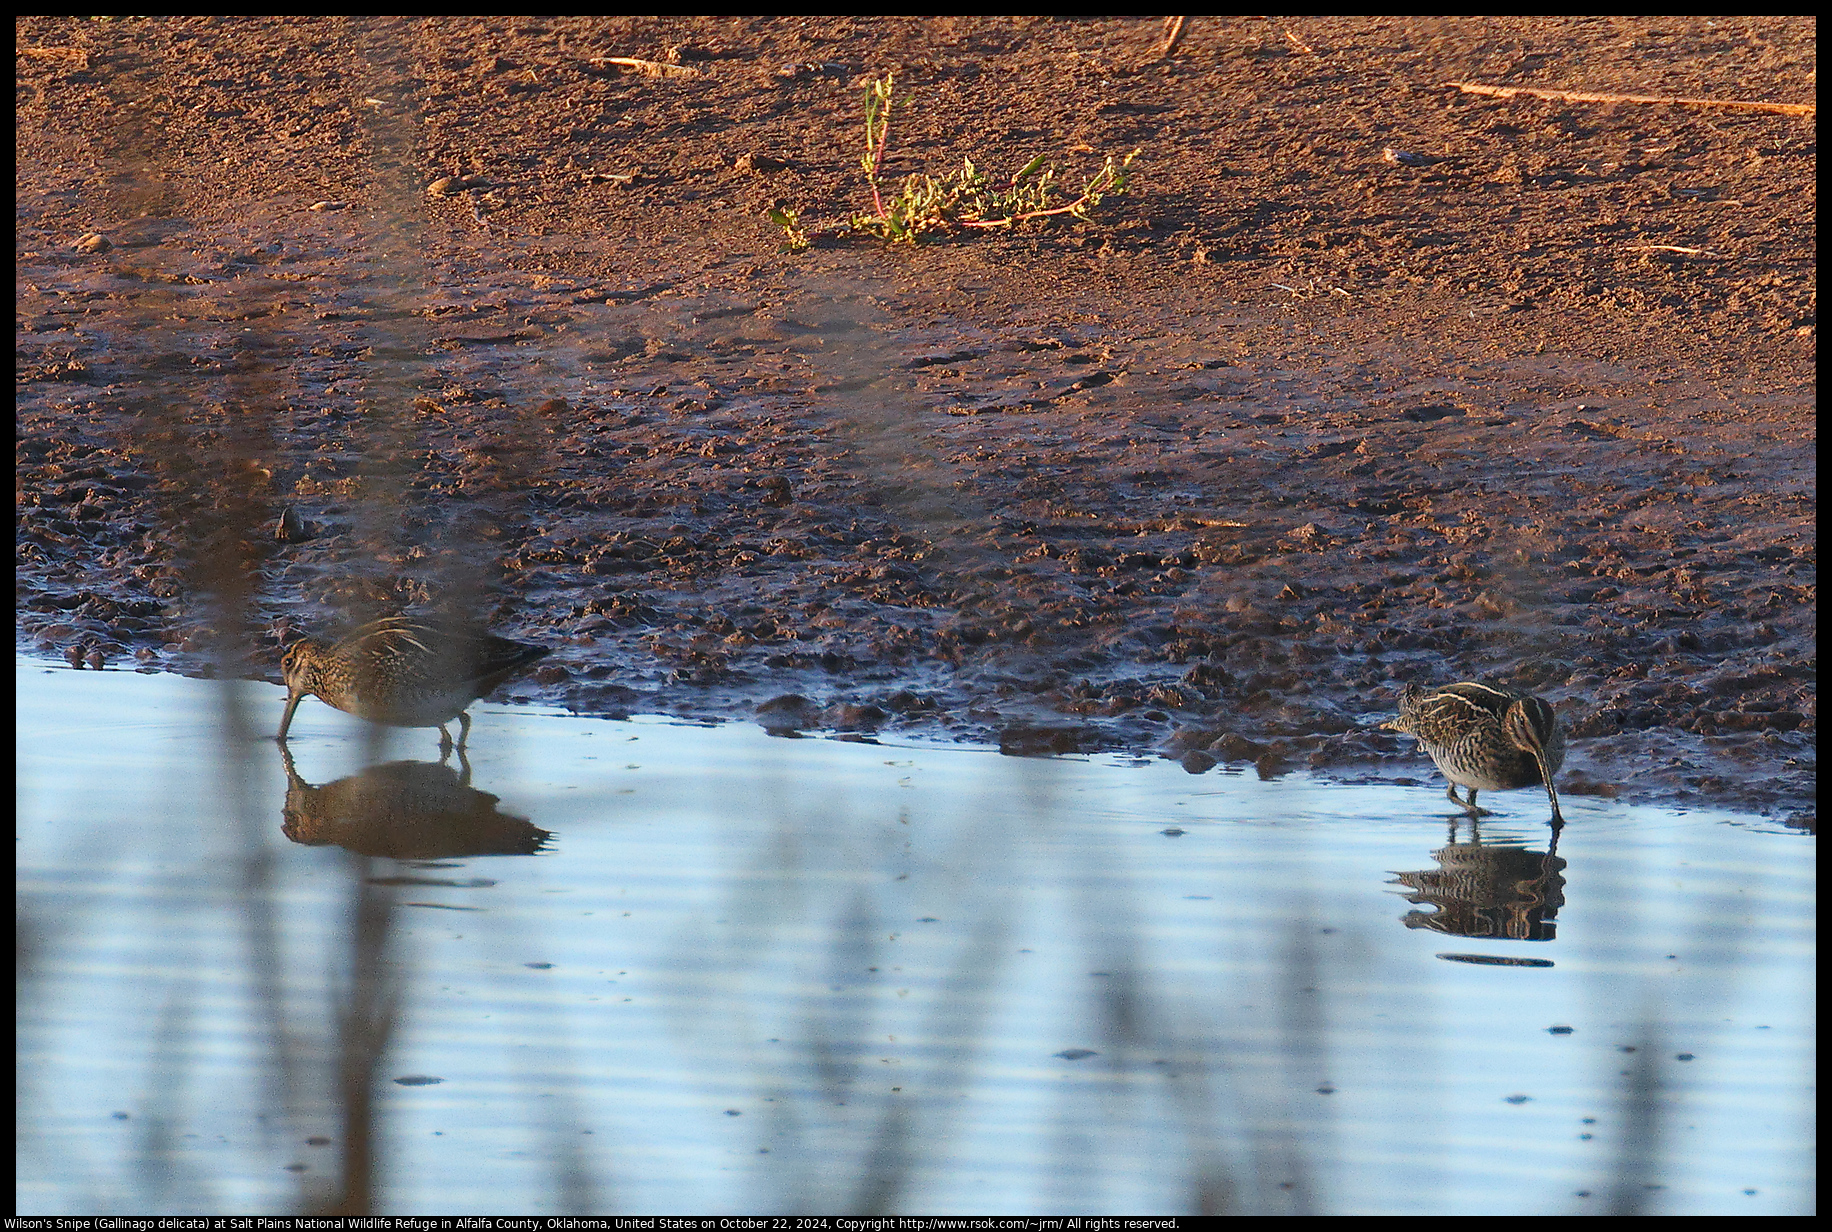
(877, 161)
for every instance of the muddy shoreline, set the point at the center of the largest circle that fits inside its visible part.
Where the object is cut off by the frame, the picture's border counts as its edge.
(1209, 477)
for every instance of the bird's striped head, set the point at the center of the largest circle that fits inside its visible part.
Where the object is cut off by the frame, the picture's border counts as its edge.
(1531, 725)
(299, 664)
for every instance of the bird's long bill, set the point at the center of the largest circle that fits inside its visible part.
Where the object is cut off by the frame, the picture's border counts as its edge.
(286, 720)
(1545, 776)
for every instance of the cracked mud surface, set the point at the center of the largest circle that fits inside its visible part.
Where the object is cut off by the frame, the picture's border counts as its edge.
(1211, 476)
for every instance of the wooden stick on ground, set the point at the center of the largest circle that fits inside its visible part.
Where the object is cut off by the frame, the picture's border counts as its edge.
(1173, 34)
(1572, 96)
(648, 68)
(1679, 248)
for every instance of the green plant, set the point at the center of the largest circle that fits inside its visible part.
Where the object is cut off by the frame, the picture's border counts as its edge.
(967, 200)
(794, 238)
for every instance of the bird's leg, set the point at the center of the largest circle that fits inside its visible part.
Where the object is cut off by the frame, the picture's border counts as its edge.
(445, 743)
(464, 728)
(1469, 805)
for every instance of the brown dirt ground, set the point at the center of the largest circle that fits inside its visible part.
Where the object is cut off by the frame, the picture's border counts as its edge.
(1289, 424)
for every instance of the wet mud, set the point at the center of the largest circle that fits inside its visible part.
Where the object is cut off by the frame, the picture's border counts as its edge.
(1209, 476)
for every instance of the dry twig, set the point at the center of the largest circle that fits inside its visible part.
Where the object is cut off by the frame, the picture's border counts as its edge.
(648, 68)
(1690, 252)
(56, 53)
(1572, 96)
(1173, 34)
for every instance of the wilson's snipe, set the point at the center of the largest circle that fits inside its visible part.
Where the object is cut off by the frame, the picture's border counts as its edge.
(1485, 738)
(404, 672)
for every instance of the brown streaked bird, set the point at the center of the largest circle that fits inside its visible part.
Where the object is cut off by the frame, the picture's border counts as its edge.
(404, 672)
(1485, 737)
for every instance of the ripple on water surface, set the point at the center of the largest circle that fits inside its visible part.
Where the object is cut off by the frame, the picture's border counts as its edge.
(646, 967)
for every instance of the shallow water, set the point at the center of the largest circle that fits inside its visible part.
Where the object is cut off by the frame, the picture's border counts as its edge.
(711, 970)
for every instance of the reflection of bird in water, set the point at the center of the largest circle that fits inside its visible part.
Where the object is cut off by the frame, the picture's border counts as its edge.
(404, 672)
(1485, 738)
(1487, 890)
(405, 810)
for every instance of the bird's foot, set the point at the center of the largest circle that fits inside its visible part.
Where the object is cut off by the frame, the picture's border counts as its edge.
(1469, 805)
